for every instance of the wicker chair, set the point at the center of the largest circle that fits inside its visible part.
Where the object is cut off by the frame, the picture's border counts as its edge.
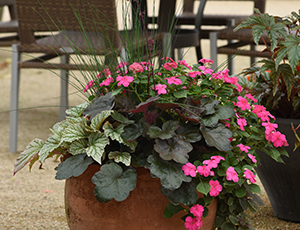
(9, 29)
(44, 16)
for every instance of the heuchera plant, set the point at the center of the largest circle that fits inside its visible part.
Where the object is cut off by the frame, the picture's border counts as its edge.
(195, 129)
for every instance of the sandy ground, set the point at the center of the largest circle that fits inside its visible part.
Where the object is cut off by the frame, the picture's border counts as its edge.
(36, 200)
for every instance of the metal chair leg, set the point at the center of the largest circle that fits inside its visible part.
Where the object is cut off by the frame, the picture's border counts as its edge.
(14, 100)
(64, 82)
(213, 37)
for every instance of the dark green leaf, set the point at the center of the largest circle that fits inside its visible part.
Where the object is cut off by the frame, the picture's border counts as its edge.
(172, 209)
(113, 183)
(73, 166)
(180, 93)
(173, 149)
(132, 132)
(170, 173)
(240, 192)
(167, 131)
(254, 188)
(190, 133)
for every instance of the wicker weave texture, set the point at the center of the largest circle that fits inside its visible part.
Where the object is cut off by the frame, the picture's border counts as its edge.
(55, 15)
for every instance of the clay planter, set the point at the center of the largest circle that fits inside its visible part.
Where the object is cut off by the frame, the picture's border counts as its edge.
(143, 209)
(281, 181)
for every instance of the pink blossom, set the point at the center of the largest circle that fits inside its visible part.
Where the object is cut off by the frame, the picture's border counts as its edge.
(231, 80)
(106, 82)
(278, 139)
(197, 210)
(194, 74)
(215, 188)
(231, 174)
(170, 65)
(248, 95)
(204, 170)
(161, 89)
(204, 61)
(217, 75)
(243, 148)
(239, 88)
(136, 67)
(125, 81)
(174, 80)
(217, 158)
(183, 62)
(189, 169)
(211, 163)
(242, 123)
(89, 86)
(258, 109)
(121, 65)
(205, 70)
(248, 174)
(243, 103)
(270, 127)
(193, 223)
(252, 158)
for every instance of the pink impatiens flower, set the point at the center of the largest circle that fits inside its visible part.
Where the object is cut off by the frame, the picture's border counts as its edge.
(242, 123)
(252, 158)
(194, 74)
(215, 188)
(231, 174)
(189, 169)
(193, 223)
(205, 70)
(170, 65)
(106, 82)
(136, 67)
(183, 62)
(206, 61)
(197, 210)
(174, 80)
(278, 139)
(231, 80)
(248, 174)
(270, 127)
(204, 170)
(249, 96)
(125, 81)
(243, 103)
(161, 89)
(243, 148)
(89, 86)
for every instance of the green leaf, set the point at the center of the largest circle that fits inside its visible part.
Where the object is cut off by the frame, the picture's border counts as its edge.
(78, 147)
(113, 183)
(170, 173)
(77, 110)
(167, 131)
(203, 187)
(73, 166)
(28, 154)
(99, 119)
(217, 137)
(221, 113)
(74, 132)
(172, 209)
(254, 188)
(291, 46)
(227, 226)
(240, 192)
(119, 117)
(99, 104)
(243, 203)
(122, 157)
(114, 133)
(186, 194)
(173, 149)
(97, 141)
(50, 145)
(180, 93)
(190, 133)
(132, 132)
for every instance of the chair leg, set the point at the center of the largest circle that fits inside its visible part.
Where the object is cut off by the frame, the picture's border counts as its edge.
(64, 82)
(230, 63)
(252, 59)
(14, 100)
(213, 37)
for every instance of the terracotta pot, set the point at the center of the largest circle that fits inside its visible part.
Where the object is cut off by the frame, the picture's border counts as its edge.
(143, 209)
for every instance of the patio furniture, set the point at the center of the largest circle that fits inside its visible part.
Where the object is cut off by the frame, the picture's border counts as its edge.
(9, 29)
(48, 16)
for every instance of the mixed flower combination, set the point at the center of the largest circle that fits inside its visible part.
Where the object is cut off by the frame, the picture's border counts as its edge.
(195, 129)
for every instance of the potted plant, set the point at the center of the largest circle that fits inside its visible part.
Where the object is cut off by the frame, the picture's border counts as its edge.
(275, 83)
(195, 130)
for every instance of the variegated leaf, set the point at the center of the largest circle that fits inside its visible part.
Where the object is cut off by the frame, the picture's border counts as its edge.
(97, 141)
(99, 119)
(51, 144)
(78, 147)
(77, 110)
(114, 133)
(122, 157)
(28, 154)
(74, 132)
